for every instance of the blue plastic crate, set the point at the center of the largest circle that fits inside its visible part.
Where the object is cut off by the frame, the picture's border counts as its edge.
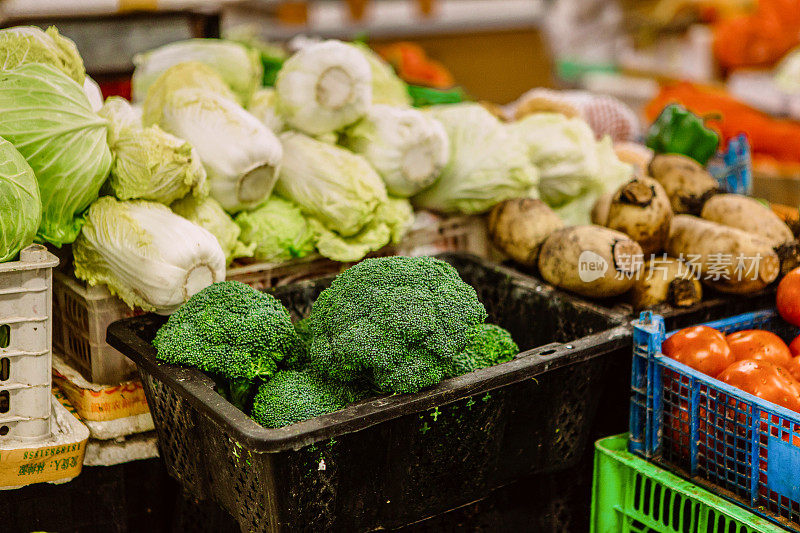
(733, 168)
(718, 436)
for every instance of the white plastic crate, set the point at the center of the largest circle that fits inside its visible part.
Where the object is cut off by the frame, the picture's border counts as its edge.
(26, 345)
(82, 314)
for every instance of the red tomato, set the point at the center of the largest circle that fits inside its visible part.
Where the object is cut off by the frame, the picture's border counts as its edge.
(765, 380)
(794, 346)
(794, 368)
(788, 298)
(759, 345)
(700, 347)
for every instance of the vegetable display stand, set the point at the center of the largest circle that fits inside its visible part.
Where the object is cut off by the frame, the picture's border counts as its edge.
(431, 234)
(390, 461)
(25, 346)
(738, 445)
(82, 314)
(631, 495)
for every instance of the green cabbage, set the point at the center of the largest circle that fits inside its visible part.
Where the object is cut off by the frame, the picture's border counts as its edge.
(207, 213)
(277, 229)
(149, 163)
(574, 168)
(193, 75)
(28, 44)
(387, 87)
(20, 206)
(146, 254)
(330, 183)
(47, 117)
(488, 164)
(392, 220)
(238, 65)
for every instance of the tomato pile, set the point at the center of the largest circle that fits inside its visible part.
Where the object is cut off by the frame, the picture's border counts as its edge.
(755, 361)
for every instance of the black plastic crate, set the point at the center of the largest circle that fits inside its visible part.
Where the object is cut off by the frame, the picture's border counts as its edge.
(394, 460)
(714, 305)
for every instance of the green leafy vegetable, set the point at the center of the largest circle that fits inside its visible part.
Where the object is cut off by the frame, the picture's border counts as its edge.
(263, 106)
(394, 323)
(28, 44)
(487, 163)
(189, 75)
(149, 163)
(324, 87)
(20, 205)
(387, 87)
(207, 213)
(330, 183)
(391, 222)
(146, 254)
(241, 156)
(277, 230)
(231, 330)
(47, 117)
(406, 147)
(574, 168)
(235, 63)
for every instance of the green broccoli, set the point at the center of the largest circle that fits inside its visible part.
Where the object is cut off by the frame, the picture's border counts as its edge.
(292, 396)
(231, 330)
(488, 345)
(238, 392)
(395, 323)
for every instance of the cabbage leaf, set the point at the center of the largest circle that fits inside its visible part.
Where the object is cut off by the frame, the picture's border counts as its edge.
(242, 157)
(574, 168)
(149, 163)
(207, 213)
(28, 44)
(336, 186)
(488, 164)
(146, 254)
(47, 117)
(20, 205)
(407, 147)
(235, 63)
(277, 229)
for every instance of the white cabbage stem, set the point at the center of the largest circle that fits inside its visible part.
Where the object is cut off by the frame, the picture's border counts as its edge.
(324, 87)
(408, 148)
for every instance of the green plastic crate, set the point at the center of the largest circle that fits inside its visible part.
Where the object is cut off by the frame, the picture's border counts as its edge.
(630, 495)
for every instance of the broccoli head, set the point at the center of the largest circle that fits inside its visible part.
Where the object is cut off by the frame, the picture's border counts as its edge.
(488, 345)
(231, 330)
(292, 396)
(395, 323)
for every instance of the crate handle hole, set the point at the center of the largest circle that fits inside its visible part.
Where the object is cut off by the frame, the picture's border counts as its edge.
(5, 402)
(5, 335)
(5, 369)
(3, 431)
(548, 351)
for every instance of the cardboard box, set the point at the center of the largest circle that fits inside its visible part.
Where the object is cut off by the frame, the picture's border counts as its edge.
(57, 459)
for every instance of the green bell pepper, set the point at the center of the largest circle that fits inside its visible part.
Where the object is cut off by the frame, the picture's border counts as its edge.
(679, 131)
